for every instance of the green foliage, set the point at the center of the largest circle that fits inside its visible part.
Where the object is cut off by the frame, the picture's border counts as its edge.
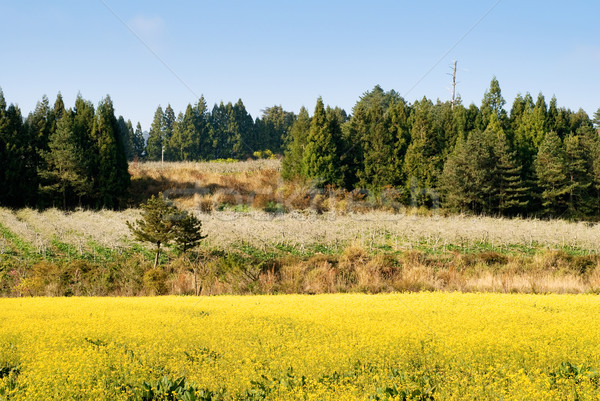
(188, 231)
(423, 162)
(552, 174)
(155, 281)
(157, 224)
(320, 158)
(113, 177)
(292, 164)
(166, 389)
(263, 154)
(65, 169)
(155, 143)
(162, 222)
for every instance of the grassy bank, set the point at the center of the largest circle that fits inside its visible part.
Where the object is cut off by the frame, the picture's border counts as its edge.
(92, 253)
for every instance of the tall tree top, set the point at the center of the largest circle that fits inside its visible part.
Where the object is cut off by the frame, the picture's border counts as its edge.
(2, 101)
(492, 99)
(59, 106)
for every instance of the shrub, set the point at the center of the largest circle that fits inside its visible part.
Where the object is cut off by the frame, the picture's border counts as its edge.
(155, 281)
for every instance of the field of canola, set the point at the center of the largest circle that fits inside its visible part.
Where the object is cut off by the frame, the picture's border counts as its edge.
(422, 346)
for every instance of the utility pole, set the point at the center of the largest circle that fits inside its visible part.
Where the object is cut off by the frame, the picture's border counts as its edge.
(162, 155)
(453, 85)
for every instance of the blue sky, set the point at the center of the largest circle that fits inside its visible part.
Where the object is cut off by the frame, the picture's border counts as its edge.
(290, 52)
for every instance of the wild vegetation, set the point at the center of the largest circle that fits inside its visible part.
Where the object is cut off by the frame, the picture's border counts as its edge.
(421, 346)
(252, 251)
(538, 160)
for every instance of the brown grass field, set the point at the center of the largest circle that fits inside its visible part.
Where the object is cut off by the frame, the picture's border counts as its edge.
(323, 247)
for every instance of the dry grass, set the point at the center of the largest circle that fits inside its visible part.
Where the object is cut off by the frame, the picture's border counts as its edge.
(335, 243)
(395, 232)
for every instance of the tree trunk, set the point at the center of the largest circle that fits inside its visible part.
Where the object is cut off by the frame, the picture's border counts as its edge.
(157, 255)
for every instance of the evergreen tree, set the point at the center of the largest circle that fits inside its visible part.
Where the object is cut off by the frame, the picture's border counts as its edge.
(240, 129)
(597, 119)
(580, 180)
(188, 231)
(162, 222)
(113, 176)
(511, 192)
(221, 140)
(493, 103)
(40, 124)
(470, 174)
(379, 126)
(320, 155)
(202, 129)
(154, 146)
(17, 158)
(423, 162)
(126, 135)
(65, 170)
(552, 175)
(168, 127)
(273, 127)
(83, 124)
(184, 142)
(157, 224)
(292, 166)
(59, 109)
(455, 179)
(591, 145)
(139, 143)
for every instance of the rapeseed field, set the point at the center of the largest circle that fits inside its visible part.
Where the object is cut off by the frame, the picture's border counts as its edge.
(419, 346)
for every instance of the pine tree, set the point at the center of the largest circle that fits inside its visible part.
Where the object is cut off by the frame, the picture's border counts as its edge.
(157, 224)
(83, 124)
(292, 166)
(184, 141)
(511, 192)
(221, 137)
(383, 124)
(493, 103)
(154, 146)
(597, 119)
(17, 158)
(202, 129)
(320, 155)
(126, 134)
(455, 179)
(162, 222)
(552, 174)
(139, 143)
(240, 128)
(580, 180)
(591, 145)
(423, 162)
(113, 176)
(168, 127)
(65, 170)
(188, 231)
(39, 125)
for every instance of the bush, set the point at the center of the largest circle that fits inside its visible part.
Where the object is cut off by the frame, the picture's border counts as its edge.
(155, 281)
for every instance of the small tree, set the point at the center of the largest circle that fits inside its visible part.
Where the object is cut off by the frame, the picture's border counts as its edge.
(157, 224)
(188, 231)
(162, 222)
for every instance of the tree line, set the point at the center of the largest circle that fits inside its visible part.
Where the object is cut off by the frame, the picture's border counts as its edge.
(538, 159)
(59, 156)
(228, 131)
(67, 157)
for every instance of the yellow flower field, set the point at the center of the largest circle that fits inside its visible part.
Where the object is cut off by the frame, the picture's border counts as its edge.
(422, 346)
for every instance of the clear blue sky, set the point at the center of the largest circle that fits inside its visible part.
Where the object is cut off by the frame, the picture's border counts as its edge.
(290, 52)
